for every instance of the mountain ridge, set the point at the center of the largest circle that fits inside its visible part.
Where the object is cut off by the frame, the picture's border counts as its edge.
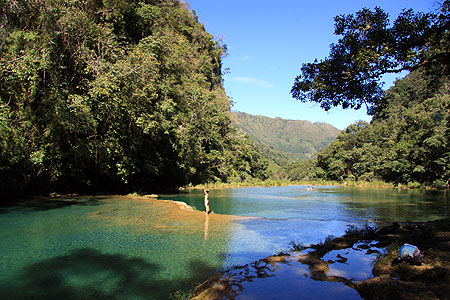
(298, 139)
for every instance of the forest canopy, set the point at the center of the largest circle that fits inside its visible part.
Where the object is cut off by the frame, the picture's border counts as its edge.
(113, 96)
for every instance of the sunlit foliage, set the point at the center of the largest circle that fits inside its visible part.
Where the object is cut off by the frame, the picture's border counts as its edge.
(371, 46)
(113, 96)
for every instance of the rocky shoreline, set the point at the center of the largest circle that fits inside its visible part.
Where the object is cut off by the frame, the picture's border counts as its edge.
(388, 279)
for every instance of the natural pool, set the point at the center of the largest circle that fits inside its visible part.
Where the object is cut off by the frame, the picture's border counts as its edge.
(136, 248)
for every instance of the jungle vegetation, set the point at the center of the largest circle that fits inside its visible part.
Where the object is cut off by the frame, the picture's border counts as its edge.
(126, 96)
(113, 96)
(408, 139)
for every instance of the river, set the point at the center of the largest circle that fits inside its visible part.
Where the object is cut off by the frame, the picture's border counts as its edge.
(117, 247)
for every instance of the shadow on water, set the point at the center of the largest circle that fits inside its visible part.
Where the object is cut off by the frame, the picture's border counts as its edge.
(89, 274)
(44, 204)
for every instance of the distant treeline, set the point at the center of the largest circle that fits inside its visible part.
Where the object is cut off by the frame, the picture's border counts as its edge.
(113, 96)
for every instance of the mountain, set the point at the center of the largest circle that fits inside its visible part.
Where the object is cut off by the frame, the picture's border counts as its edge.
(293, 139)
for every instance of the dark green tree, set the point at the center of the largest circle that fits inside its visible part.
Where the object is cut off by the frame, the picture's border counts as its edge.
(113, 96)
(370, 47)
(407, 140)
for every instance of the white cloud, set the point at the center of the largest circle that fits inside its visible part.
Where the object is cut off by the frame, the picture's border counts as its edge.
(253, 81)
(239, 61)
(244, 58)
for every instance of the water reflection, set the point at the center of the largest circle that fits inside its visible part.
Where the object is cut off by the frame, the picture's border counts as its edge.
(206, 228)
(324, 203)
(353, 263)
(280, 215)
(179, 248)
(285, 277)
(289, 283)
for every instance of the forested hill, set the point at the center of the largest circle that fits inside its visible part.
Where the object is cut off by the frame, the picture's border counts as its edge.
(298, 139)
(113, 96)
(407, 142)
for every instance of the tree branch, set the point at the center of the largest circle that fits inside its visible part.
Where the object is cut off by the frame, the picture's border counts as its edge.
(2, 106)
(13, 60)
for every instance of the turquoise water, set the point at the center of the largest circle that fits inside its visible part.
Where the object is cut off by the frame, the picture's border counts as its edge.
(323, 203)
(102, 248)
(129, 248)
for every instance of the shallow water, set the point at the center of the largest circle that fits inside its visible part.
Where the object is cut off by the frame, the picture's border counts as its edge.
(324, 203)
(133, 248)
(289, 277)
(115, 248)
(353, 263)
(286, 214)
(291, 281)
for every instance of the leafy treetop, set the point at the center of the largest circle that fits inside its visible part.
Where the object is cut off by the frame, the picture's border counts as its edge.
(371, 47)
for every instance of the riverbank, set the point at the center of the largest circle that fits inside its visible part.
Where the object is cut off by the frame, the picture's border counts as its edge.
(388, 280)
(270, 182)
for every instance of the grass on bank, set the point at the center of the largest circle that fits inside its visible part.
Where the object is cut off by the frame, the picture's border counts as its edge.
(264, 183)
(283, 182)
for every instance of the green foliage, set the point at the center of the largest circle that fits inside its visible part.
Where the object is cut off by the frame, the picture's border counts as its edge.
(325, 245)
(286, 140)
(406, 143)
(371, 46)
(306, 170)
(297, 246)
(113, 96)
(181, 295)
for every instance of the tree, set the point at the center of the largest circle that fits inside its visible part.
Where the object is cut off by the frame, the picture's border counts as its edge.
(371, 47)
(407, 142)
(113, 96)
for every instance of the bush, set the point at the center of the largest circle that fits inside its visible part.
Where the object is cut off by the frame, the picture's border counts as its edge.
(366, 230)
(297, 246)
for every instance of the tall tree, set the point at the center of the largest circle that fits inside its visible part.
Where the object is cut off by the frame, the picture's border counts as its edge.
(371, 46)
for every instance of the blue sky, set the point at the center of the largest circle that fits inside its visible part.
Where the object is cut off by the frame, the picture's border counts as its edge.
(268, 41)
